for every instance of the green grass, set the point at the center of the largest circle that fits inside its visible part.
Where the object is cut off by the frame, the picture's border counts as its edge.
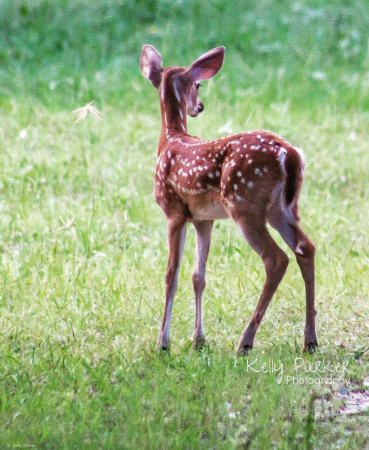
(83, 244)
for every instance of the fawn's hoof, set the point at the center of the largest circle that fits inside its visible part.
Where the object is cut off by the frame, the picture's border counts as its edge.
(199, 343)
(310, 347)
(244, 351)
(162, 346)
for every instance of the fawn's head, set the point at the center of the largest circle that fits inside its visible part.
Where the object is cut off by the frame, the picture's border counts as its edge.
(181, 84)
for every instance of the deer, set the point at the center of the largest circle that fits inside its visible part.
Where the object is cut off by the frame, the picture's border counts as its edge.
(252, 177)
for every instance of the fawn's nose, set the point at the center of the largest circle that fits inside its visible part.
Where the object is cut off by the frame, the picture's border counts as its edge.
(200, 107)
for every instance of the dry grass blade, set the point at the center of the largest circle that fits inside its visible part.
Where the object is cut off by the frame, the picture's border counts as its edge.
(84, 110)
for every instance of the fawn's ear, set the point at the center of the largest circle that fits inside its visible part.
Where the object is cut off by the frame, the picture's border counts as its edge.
(151, 65)
(207, 65)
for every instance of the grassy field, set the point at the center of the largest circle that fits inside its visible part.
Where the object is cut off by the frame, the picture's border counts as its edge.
(83, 244)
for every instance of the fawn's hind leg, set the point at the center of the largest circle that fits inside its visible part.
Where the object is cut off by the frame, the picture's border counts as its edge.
(275, 262)
(286, 222)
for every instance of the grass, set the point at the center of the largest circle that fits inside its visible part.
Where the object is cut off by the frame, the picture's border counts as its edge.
(83, 244)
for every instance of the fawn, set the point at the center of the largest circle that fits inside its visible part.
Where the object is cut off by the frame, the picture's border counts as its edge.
(253, 177)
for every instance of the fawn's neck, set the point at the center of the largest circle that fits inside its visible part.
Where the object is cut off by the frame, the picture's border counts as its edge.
(173, 116)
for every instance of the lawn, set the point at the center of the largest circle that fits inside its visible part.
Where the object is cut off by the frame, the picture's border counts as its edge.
(83, 244)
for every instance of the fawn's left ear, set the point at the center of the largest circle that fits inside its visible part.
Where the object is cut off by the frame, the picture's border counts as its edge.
(207, 65)
(151, 65)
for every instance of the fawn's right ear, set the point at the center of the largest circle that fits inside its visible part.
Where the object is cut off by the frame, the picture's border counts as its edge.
(207, 65)
(151, 65)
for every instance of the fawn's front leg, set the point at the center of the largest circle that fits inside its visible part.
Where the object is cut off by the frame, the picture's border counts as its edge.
(176, 240)
(203, 237)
